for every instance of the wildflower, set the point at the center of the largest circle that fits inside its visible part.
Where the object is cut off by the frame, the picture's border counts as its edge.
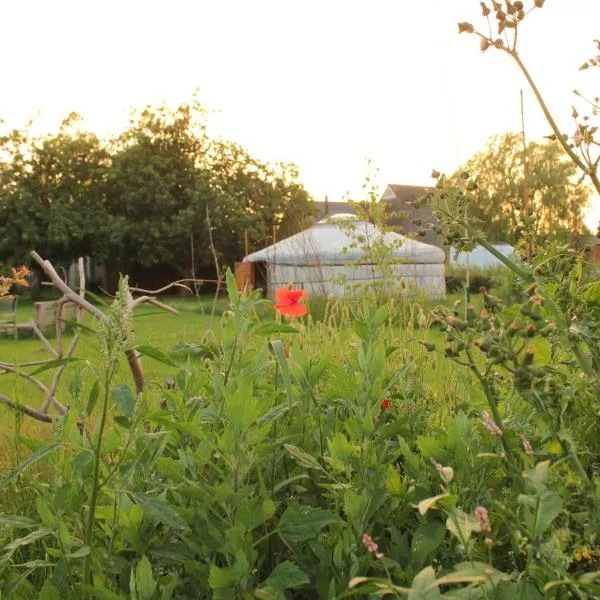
(489, 424)
(385, 404)
(371, 546)
(19, 276)
(482, 516)
(446, 473)
(526, 445)
(288, 302)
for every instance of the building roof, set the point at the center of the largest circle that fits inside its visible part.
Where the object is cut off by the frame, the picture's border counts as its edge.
(332, 208)
(328, 243)
(398, 193)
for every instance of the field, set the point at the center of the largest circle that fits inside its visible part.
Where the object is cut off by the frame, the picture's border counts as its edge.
(394, 445)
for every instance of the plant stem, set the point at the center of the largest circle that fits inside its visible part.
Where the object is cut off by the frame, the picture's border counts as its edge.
(591, 172)
(89, 529)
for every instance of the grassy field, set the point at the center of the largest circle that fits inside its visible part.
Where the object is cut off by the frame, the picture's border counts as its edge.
(165, 330)
(160, 329)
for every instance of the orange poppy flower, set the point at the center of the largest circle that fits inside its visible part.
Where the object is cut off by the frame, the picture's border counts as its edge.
(288, 302)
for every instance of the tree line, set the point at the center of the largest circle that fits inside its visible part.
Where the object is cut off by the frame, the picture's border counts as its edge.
(143, 198)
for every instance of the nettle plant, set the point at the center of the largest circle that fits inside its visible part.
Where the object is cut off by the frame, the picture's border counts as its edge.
(520, 496)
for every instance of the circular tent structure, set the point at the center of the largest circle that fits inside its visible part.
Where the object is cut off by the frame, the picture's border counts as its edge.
(330, 258)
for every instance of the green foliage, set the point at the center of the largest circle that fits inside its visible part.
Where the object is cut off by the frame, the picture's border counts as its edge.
(142, 199)
(555, 201)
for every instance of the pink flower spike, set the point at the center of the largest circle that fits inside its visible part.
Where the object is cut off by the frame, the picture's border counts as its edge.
(482, 516)
(370, 545)
(489, 424)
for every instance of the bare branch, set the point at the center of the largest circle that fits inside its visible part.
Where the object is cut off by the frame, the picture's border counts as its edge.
(43, 338)
(135, 303)
(65, 289)
(36, 414)
(37, 383)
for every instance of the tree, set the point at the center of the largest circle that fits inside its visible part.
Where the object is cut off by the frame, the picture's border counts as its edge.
(144, 198)
(555, 198)
(156, 190)
(51, 192)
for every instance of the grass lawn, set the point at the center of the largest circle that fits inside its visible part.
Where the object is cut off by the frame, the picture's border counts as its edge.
(164, 330)
(152, 327)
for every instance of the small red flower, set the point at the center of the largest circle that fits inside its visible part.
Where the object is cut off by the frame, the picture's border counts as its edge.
(288, 302)
(385, 404)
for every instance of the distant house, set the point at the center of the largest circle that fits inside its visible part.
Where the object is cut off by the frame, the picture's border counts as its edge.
(401, 199)
(328, 209)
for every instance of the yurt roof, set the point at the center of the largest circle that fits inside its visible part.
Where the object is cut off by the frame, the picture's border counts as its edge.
(328, 243)
(480, 257)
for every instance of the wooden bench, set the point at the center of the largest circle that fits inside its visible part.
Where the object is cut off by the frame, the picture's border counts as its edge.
(8, 314)
(45, 314)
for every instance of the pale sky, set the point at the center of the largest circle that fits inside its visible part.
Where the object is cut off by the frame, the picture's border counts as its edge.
(321, 83)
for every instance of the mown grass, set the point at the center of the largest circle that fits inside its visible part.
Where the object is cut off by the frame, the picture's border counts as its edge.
(155, 328)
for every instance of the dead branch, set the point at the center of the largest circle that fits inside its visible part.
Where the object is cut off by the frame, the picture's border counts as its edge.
(150, 300)
(43, 338)
(178, 283)
(81, 306)
(65, 289)
(27, 410)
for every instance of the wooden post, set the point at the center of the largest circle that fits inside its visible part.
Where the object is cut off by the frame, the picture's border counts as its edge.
(246, 245)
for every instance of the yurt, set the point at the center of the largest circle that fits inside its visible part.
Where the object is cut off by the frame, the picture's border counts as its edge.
(479, 257)
(333, 257)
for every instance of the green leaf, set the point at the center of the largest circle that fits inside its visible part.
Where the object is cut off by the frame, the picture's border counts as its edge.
(473, 572)
(53, 364)
(144, 581)
(32, 459)
(424, 586)
(156, 354)
(93, 397)
(124, 399)
(44, 511)
(101, 593)
(303, 458)
(550, 506)
(300, 523)
(17, 522)
(286, 576)
(272, 328)
(426, 539)
(462, 525)
(232, 290)
(279, 351)
(49, 592)
(160, 511)
(34, 536)
(79, 553)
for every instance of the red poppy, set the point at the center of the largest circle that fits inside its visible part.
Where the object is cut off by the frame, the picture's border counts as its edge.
(288, 302)
(385, 404)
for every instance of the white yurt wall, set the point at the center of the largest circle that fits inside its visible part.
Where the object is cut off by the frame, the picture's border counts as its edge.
(329, 259)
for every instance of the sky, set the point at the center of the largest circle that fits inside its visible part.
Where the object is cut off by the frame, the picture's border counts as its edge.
(325, 84)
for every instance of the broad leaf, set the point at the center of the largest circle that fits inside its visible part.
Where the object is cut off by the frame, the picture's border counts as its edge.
(286, 576)
(300, 523)
(124, 399)
(160, 511)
